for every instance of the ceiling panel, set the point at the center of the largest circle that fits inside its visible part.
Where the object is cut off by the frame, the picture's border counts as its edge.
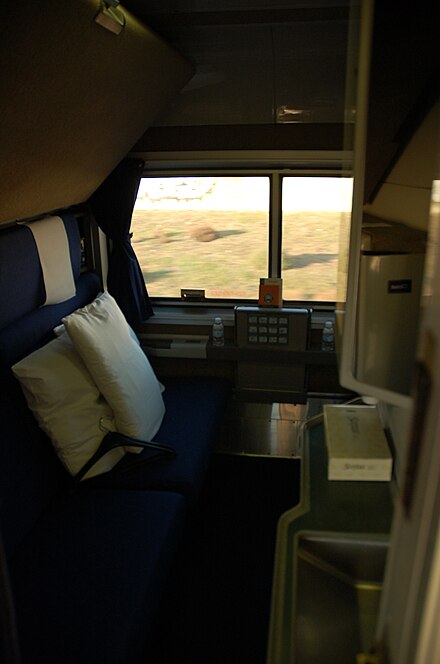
(166, 6)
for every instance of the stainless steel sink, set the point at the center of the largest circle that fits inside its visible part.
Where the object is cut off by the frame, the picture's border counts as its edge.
(338, 585)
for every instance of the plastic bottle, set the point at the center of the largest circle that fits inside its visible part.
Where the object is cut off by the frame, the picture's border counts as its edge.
(328, 336)
(218, 332)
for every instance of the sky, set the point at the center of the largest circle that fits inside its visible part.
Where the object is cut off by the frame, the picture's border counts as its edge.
(243, 193)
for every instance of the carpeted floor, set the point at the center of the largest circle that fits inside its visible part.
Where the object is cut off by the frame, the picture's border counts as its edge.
(217, 611)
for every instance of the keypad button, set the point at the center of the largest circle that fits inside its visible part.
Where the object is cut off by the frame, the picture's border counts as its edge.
(273, 330)
(262, 320)
(262, 329)
(253, 329)
(283, 330)
(282, 340)
(253, 339)
(252, 319)
(262, 340)
(273, 340)
(282, 320)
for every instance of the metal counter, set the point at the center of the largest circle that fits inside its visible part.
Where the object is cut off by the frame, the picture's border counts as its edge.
(329, 564)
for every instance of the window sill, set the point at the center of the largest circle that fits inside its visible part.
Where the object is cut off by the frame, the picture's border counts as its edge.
(232, 352)
(204, 315)
(185, 315)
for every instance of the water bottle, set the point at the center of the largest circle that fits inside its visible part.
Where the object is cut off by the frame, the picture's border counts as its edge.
(328, 336)
(218, 332)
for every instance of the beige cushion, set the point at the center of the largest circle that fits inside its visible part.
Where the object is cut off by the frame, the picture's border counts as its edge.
(67, 405)
(118, 366)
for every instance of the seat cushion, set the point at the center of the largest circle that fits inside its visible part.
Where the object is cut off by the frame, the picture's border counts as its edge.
(86, 580)
(67, 404)
(34, 329)
(30, 472)
(22, 288)
(119, 367)
(194, 407)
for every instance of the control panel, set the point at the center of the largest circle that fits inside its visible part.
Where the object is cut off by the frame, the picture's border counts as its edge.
(279, 328)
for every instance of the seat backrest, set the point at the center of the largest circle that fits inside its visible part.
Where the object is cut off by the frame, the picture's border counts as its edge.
(30, 473)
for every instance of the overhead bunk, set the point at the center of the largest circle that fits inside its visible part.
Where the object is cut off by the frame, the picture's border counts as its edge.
(80, 84)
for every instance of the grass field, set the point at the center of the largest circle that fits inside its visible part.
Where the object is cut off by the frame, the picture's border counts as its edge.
(230, 266)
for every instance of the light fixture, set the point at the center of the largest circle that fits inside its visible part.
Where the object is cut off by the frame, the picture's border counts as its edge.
(110, 17)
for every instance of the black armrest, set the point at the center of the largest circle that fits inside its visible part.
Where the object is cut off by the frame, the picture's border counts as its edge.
(114, 439)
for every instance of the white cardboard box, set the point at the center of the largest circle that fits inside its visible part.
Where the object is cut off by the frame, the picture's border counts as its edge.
(356, 444)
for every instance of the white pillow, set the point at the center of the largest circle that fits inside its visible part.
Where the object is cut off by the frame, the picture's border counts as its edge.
(61, 329)
(118, 366)
(67, 405)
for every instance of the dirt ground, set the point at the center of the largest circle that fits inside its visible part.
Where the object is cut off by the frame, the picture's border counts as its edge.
(230, 266)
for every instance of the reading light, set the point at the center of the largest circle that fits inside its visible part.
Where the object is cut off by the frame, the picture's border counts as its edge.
(110, 17)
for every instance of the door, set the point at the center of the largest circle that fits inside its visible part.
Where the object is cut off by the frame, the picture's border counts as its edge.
(409, 623)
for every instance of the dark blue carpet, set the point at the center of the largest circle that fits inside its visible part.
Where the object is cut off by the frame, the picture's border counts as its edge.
(217, 610)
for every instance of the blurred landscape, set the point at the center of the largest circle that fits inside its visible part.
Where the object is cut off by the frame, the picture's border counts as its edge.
(231, 264)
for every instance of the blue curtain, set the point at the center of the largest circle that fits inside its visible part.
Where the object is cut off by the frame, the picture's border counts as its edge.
(112, 206)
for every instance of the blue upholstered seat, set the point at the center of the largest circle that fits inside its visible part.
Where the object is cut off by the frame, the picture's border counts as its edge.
(88, 578)
(87, 565)
(30, 473)
(194, 406)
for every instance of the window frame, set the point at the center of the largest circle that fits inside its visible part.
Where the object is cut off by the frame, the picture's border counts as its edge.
(275, 166)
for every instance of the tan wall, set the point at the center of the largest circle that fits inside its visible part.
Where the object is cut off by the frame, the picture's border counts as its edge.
(406, 193)
(74, 98)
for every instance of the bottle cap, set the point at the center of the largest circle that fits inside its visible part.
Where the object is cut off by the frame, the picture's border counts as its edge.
(217, 319)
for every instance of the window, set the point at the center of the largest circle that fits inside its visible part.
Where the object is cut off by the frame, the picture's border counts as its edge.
(222, 233)
(314, 211)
